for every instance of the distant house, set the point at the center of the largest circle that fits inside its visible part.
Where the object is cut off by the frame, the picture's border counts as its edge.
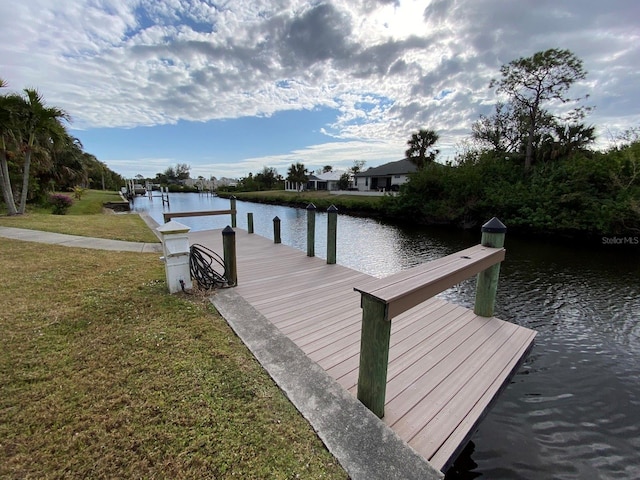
(321, 181)
(325, 181)
(200, 183)
(387, 177)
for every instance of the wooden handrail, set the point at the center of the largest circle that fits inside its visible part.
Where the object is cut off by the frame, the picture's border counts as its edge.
(169, 216)
(405, 290)
(382, 300)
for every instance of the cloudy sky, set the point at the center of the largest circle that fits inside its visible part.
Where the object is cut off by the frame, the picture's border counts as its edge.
(232, 86)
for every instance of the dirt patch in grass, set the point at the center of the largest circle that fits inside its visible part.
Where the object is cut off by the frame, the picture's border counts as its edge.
(105, 375)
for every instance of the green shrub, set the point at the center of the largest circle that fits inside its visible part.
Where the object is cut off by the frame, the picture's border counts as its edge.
(78, 192)
(60, 203)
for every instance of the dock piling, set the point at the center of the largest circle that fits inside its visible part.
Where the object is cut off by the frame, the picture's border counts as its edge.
(311, 230)
(232, 201)
(250, 222)
(229, 254)
(374, 355)
(332, 232)
(276, 230)
(493, 233)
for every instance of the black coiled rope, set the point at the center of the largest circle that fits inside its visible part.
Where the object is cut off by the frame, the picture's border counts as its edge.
(202, 261)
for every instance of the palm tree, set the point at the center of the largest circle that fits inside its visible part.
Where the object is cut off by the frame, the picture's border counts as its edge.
(64, 164)
(8, 105)
(421, 151)
(38, 124)
(297, 174)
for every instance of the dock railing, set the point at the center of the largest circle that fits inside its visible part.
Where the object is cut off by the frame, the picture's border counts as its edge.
(232, 211)
(384, 299)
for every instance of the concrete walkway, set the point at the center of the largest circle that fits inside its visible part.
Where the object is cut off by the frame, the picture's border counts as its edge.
(78, 241)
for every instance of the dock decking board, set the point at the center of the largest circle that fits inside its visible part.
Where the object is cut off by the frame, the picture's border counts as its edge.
(446, 365)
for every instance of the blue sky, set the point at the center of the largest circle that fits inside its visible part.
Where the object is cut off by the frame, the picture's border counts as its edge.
(232, 87)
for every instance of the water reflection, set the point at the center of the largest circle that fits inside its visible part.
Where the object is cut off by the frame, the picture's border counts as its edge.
(573, 410)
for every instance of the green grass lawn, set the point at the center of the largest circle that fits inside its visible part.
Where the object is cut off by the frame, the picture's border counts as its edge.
(86, 218)
(105, 375)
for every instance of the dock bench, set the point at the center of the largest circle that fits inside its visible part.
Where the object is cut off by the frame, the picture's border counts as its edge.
(435, 398)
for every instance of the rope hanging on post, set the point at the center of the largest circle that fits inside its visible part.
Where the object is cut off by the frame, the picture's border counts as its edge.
(201, 264)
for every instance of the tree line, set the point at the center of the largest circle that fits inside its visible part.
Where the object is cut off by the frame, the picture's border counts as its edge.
(297, 174)
(38, 156)
(530, 162)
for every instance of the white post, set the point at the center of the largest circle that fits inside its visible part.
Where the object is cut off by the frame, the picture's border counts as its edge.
(175, 244)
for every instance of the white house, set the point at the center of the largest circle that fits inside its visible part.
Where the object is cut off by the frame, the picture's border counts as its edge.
(325, 181)
(321, 181)
(387, 177)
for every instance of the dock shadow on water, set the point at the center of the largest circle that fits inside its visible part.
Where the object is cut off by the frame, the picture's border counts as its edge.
(573, 409)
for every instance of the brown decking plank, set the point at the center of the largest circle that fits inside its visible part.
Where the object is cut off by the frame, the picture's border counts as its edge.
(407, 362)
(410, 411)
(329, 345)
(453, 413)
(300, 325)
(464, 429)
(427, 353)
(340, 356)
(404, 339)
(290, 301)
(261, 288)
(277, 272)
(297, 315)
(336, 278)
(320, 338)
(304, 332)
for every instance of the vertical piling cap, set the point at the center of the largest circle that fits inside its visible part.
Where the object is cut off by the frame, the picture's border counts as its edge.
(494, 226)
(228, 231)
(276, 219)
(332, 208)
(311, 206)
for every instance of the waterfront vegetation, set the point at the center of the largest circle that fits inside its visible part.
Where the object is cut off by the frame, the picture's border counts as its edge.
(345, 202)
(584, 194)
(106, 375)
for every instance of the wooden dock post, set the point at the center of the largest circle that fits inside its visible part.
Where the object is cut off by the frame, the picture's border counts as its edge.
(250, 222)
(276, 230)
(374, 354)
(232, 201)
(332, 231)
(311, 230)
(229, 253)
(493, 233)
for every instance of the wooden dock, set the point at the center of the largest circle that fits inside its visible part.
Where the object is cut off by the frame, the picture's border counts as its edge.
(446, 364)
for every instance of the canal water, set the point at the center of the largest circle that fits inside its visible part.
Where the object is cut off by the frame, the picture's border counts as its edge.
(573, 409)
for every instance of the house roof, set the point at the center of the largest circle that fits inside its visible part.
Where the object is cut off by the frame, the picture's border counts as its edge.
(400, 167)
(333, 176)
